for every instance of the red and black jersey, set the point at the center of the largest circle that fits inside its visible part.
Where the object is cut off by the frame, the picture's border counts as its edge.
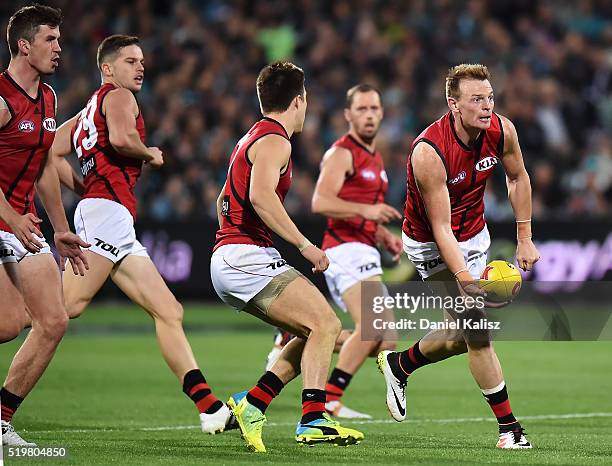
(24, 142)
(106, 173)
(467, 170)
(241, 224)
(367, 185)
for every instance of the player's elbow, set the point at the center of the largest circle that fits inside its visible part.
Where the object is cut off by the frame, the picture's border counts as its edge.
(119, 141)
(257, 199)
(316, 205)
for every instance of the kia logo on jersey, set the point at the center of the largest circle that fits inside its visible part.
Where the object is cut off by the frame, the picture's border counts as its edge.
(368, 174)
(486, 163)
(49, 124)
(26, 126)
(459, 178)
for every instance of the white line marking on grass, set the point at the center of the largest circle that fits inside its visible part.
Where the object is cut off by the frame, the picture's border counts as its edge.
(540, 417)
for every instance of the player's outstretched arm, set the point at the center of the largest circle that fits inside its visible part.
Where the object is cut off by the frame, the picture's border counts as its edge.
(269, 156)
(336, 166)
(121, 110)
(62, 148)
(519, 193)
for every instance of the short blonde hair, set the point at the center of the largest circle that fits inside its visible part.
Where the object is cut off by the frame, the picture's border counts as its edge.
(464, 71)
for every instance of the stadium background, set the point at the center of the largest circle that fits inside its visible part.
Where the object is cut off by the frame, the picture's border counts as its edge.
(552, 72)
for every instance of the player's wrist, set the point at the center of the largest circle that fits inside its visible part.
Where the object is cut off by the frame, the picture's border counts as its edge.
(304, 244)
(463, 276)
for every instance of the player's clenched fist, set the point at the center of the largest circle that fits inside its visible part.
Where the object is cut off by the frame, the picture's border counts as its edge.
(157, 158)
(526, 254)
(317, 258)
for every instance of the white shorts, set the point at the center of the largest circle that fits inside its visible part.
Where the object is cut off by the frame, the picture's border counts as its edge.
(426, 257)
(109, 227)
(12, 251)
(350, 263)
(240, 271)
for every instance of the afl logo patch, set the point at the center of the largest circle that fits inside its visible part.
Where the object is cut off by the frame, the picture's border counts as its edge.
(458, 179)
(49, 124)
(383, 176)
(486, 163)
(26, 126)
(368, 174)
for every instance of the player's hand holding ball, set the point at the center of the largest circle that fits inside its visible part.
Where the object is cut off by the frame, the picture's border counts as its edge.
(157, 158)
(474, 288)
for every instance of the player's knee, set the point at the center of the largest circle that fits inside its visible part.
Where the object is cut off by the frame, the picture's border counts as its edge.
(169, 312)
(333, 325)
(456, 346)
(326, 322)
(479, 344)
(54, 325)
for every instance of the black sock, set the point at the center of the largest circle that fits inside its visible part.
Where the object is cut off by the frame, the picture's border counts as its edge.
(337, 383)
(262, 394)
(313, 404)
(411, 359)
(10, 402)
(196, 388)
(500, 405)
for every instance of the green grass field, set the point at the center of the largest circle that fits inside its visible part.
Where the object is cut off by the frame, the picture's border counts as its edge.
(109, 399)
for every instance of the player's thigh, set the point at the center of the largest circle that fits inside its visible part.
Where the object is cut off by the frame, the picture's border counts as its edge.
(12, 310)
(41, 285)
(80, 290)
(140, 280)
(362, 293)
(301, 307)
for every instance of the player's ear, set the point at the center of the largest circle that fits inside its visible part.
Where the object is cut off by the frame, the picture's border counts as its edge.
(347, 115)
(452, 104)
(107, 69)
(23, 46)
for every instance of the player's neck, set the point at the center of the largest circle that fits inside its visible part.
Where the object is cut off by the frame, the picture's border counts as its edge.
(467, 136)
(27, 77)
(284, 120)
(371, 146)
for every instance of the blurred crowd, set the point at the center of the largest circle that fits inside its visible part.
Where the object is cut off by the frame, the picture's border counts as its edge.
(551, 63)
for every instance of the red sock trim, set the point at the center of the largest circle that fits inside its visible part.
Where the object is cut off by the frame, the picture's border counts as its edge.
(333, 392)
(413, 360)
(270, 389)
(7, 414)
(399, 361)
(261, 395)
(206, 402)
(312, 407)
(198, 387)
(502, 409)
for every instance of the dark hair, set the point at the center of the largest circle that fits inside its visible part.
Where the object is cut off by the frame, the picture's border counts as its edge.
(278, 84)
(464, 71)
(25, 22)
(111, 46)
(350, 94)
